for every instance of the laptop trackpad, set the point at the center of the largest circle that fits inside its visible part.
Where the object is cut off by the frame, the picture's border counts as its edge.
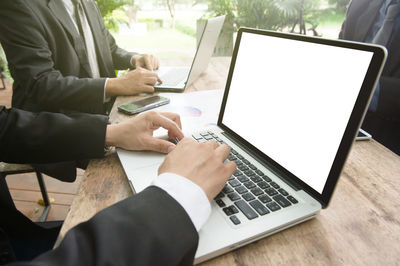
(140, 166)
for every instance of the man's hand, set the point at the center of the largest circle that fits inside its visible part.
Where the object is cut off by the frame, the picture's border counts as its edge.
(134, 82)
(149, 62)
(202, 163)
(137, 133)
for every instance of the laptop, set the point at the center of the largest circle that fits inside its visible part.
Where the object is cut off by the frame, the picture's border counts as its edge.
(291, 109)
(177, 79)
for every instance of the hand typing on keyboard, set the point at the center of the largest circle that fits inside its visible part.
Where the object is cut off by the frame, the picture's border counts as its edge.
(249, 190)
(202, 163)
(137, 132)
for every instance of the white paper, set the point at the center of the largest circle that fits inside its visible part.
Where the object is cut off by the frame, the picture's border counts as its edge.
(196, 109)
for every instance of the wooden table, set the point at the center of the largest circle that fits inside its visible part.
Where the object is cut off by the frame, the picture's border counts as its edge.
(360, 227)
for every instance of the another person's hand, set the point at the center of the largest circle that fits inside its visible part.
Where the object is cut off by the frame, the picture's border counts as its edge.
(149, 62)
(137, 133)
(134, 82)
(202, 163)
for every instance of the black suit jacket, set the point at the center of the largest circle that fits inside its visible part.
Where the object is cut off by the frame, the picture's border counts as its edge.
(47, 56)
(150, 228)
(384, 124)
(27, 137)
(44, 137)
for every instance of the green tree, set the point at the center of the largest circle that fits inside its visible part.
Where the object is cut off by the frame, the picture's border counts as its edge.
(108, 6)
(340, 5)
(113, 13)
(270, 14)
(223, 7)
(300, 12)
(261, 14)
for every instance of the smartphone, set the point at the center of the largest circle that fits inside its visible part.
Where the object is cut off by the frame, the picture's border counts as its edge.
(141, 105)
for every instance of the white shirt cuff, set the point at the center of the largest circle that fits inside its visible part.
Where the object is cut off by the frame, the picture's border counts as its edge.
(105, 100)
(188, 194)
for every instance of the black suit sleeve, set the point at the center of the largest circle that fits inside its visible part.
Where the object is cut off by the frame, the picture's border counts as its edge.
(389, 97)
(389, 82)
(150, 228)
(384, 122)
(27, 137)
(23, 37)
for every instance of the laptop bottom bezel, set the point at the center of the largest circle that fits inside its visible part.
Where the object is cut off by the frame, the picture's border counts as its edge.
(250, 240)
(167, 89)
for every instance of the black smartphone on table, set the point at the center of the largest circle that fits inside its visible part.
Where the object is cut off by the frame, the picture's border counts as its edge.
(144, 104)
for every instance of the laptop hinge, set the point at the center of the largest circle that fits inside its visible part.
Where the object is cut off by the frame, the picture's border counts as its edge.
(270, 167)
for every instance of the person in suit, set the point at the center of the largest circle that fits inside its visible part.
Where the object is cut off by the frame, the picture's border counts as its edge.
(140, 229)
(27, 137)
(63, 58)
(136, 231)
(378, 21)
(56, 137)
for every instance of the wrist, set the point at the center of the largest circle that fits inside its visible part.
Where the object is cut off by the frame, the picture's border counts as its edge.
(111, 135)
(111, 87)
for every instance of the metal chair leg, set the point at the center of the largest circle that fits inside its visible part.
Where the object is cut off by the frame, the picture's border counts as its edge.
(45, 197)
(5, 195)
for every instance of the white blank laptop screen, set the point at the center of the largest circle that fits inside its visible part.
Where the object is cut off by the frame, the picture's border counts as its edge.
(292, 100)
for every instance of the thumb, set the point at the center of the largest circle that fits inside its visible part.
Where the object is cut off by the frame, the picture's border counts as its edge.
(160, 145)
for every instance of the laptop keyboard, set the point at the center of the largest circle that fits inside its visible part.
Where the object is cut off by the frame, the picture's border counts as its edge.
(252, 192)
(174, 76)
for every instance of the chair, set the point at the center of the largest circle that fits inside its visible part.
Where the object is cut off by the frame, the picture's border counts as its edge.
(12, 169)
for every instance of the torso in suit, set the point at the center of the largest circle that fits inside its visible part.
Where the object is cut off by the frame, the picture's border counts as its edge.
(47, 56)
(48, 61)
(384, 123)
(150, 228)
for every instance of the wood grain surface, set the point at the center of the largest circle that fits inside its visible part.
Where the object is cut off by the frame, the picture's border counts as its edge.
(361, 226)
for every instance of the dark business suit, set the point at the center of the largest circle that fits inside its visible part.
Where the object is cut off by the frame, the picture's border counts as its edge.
(50, 137)
(48, 61)
(37, 138)
(47, 56)
(384, 123)
(150, 228)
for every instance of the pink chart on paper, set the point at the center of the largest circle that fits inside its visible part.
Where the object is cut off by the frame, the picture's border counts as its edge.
(210, 124)
(187, 111)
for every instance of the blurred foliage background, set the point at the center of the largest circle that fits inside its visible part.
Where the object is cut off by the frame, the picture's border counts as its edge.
(300, 16)
(168, 28)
